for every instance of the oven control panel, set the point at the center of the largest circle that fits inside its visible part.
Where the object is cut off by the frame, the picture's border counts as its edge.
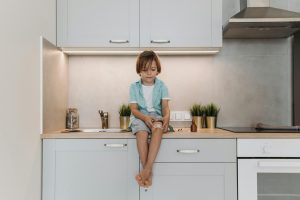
(268, 147)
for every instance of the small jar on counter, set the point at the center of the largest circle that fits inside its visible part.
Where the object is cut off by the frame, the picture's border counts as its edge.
(72, 118)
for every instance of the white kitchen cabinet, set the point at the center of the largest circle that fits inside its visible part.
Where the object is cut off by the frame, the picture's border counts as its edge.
(190, 23)
(139, 23)
(194, 169)
(94, 169)
(90, 169)
(181, 181)
(98, 23)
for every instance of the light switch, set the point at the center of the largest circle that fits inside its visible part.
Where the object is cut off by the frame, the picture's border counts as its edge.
(178, 116)
(172, 116)
(183, 116)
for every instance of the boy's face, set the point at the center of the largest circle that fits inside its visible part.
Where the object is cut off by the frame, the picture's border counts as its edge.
(149, 73)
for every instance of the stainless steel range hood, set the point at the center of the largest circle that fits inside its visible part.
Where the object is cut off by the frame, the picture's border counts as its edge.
(262, 22)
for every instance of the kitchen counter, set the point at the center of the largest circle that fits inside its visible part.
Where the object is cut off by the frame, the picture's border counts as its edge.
(184, 133)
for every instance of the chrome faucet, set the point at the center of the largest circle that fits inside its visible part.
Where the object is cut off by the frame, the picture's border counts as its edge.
(104, 119)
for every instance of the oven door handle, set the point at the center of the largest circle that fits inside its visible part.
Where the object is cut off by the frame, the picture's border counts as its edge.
(278, 164)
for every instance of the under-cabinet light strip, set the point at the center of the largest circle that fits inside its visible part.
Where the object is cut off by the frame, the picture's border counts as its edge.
(84, 52)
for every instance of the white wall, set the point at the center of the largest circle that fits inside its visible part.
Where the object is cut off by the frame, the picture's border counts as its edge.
(22, 22)
(249, 79)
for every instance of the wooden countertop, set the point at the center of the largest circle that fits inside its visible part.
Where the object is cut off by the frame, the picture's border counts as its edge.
(184, 134)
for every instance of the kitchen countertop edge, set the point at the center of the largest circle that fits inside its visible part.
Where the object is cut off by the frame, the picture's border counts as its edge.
(184, 134)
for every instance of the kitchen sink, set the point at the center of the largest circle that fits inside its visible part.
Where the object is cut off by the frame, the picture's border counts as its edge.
(109, 130)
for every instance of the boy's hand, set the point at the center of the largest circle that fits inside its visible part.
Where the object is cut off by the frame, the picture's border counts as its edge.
(149, 121)
(165, 124)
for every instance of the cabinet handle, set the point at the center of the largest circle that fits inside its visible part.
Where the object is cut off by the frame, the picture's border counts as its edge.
(118, 41)
(188, 151)
(160, 41)
(278, 164)
(115, 145)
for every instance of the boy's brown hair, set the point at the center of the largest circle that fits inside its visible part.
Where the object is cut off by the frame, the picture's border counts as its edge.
(145, 59)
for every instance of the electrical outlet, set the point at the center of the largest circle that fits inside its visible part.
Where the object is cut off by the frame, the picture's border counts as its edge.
(187, 116)
(180, 116)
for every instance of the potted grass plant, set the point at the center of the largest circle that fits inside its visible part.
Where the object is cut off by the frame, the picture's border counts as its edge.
(211, 113)
(125, 113)
(197, 112)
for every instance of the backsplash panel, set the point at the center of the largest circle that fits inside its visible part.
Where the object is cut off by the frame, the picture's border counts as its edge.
(249, 79)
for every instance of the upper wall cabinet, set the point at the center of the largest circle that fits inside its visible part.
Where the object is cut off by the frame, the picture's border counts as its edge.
(189, 23)
(98, 23)
(139, 23)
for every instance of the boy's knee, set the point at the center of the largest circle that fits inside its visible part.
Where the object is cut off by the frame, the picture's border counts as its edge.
(157, 125)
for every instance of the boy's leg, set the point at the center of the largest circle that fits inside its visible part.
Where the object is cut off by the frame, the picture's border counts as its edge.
(157, 133)
(142, 145)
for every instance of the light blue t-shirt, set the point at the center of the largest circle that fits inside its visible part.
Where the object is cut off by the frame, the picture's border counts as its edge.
(160, 91)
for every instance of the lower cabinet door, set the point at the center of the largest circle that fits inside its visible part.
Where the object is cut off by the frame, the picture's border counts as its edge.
(83, 169)
(192, 181)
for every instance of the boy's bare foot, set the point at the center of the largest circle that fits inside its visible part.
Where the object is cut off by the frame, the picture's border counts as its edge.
(139, 180)
(148, 182)
(146, 176)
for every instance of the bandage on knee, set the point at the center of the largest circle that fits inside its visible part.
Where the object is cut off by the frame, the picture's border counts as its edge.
(157, 125)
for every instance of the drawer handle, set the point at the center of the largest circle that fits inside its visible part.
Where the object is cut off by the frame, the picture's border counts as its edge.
(160, 41)
(188, 151)
(115, 145)
(278, 164)
(118, 41)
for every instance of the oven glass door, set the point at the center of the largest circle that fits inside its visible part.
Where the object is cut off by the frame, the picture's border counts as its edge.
(269, 179)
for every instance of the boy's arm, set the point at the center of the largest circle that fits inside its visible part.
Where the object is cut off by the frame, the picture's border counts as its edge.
(166, 114)
(135, 111)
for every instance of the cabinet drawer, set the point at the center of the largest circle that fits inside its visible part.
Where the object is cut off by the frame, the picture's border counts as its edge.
(197, 150)
(91, 144)
(192, 181)
(268, 148)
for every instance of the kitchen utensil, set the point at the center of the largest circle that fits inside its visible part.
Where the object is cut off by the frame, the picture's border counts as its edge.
(104, 119)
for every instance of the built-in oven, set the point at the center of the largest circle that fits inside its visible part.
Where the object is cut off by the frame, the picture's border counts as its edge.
(268, 169)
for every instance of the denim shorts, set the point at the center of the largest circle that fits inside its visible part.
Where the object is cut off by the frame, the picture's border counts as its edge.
(139, 125)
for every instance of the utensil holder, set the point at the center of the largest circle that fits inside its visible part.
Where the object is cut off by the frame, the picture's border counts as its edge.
(124, 122)
(199, 121)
